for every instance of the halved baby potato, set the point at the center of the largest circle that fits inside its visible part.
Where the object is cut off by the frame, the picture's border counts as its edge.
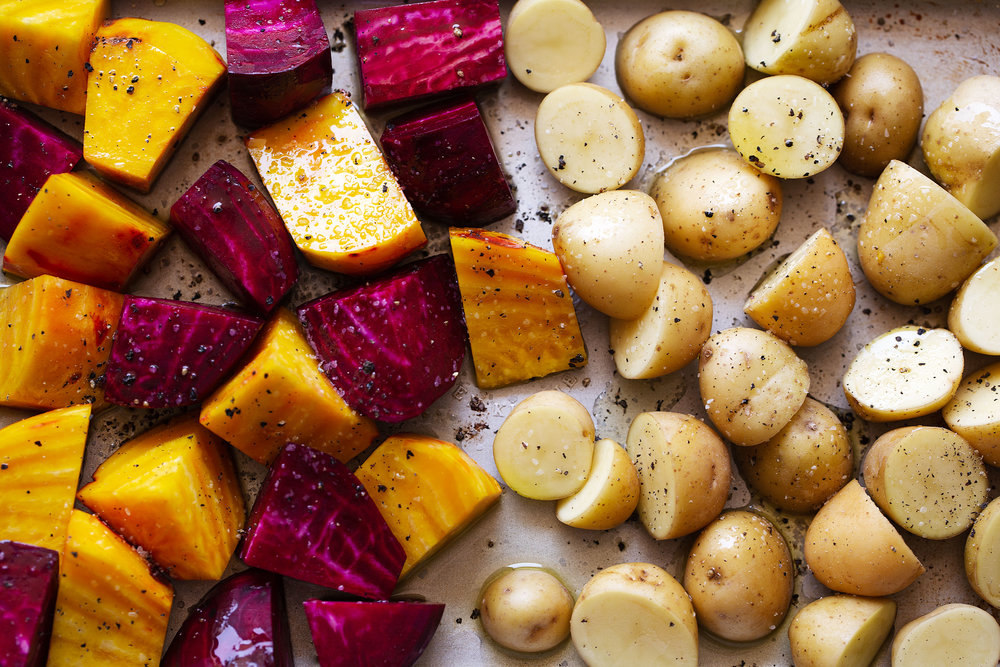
(953, 634)
(927, 479)
(974, 412)
(904, 373)
(973, 316)
(982, 554)
(807, 299)
(610, 494)
(840, 631)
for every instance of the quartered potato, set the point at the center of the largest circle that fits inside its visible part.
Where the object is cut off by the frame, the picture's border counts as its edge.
(982, 554)
(974, 412)
(973, 316)
(715, 206)
(954, 634)
(840, 631)
(852, 548)
(752, 384)
(589, 139)
(802, 466)
(545, 447)
(669, 333)
(679, 64)
(787, 126)
(904, 373)
(526, 609)
(927, 479)
(811, 38)
(917, 242)
(684, 472)
(610, 494)
(551, 43)
(611, 247)
(961, 144)
(635, 614)
(739, 575)
(807, 299)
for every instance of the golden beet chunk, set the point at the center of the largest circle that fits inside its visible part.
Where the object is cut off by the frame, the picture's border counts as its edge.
(150, 80)
(333, 189)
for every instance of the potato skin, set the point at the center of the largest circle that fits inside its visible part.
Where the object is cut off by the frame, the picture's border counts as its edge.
(883, 104)
(840, 631)
(527, 610)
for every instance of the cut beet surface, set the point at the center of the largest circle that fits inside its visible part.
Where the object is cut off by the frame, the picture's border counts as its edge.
(444, 160)
(241, 622)
(393, 346)
(238, 233)
(173, 353)
(30, 152)
(314, 521)
(278, 57)
(411, 51)
(29, 579)
(348, 634)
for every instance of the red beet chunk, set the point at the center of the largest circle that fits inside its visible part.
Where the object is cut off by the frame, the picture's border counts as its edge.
(30, 152)
(238, 233)
(393, 346)
(278, 57)
(173, 353)
(411, 51)
(394, 634)
(314, 521)
(241, 622)
(29, 579)
(445, 162)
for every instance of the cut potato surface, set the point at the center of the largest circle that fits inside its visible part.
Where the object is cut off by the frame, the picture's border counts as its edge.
(589, 139)
(551, 43)
(927, 479)
(634, 614)
(526, 609)
(973, 316)
(982, 554)
(954, 634)
(974, 412)
(545, 447)
(840, 631)
(610, 494)
(907, 372)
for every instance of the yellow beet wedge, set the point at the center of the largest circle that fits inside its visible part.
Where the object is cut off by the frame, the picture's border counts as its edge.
(150, 80)
(428, 491)
(40, 459)
(335, 192)
(518, 308)
(55, 338)
(173, 491)
(281, 396)
(80, 229)
(110, 609)
(44, 46)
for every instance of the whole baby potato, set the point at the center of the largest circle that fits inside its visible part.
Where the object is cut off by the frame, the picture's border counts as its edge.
(679, 64)
(715, 206)
(883, 105)
(611, 247)
(526, 609)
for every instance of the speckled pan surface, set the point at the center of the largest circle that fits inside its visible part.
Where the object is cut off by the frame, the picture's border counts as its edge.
(945, 42)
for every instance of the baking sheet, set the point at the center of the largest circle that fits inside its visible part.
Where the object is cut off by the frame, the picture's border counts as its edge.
(944, 42)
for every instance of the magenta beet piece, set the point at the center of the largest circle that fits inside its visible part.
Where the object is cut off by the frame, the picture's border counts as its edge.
(393, 346)
(31, 150)
(278, 56)
(29, 579)
(173, 353)
(238, 233)
(416, 50)
(444, 160)
(241, 622)
(370, 634)
(314, 521)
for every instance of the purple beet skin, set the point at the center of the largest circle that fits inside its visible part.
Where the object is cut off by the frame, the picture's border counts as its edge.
(238, 233)
(393, 346)
(370, 634)
(30, 152)
(444, 160)
(29, 579)
(173, 353)
(412, 51)
(241, 622)
(314, 521)
(278, 56)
